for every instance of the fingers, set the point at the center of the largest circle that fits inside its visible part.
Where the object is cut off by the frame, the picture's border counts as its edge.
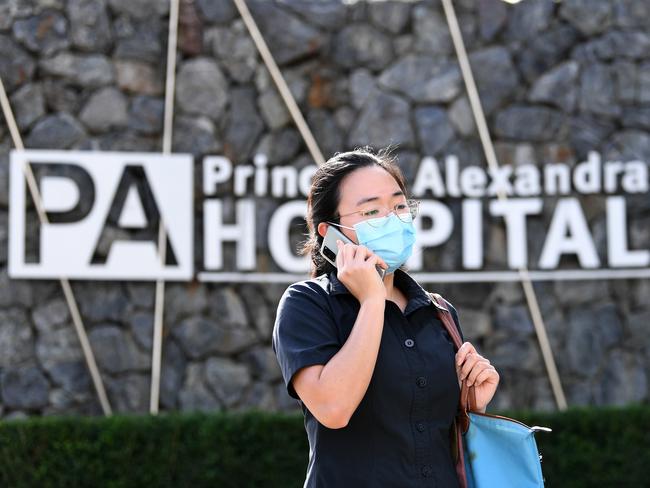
(479, 368)
(462, 353)
(471, 360)
(489, 375)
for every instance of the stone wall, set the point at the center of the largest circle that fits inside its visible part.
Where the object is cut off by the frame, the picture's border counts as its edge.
(557, 79)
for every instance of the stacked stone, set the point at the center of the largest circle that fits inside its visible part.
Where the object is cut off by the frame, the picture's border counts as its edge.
(556, 80)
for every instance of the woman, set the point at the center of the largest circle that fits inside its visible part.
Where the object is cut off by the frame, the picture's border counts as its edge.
(368, 359)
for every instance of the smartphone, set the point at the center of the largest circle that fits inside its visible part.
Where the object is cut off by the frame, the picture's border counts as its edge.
(329, 249)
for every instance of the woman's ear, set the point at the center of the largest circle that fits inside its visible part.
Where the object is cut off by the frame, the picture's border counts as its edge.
(322, 229)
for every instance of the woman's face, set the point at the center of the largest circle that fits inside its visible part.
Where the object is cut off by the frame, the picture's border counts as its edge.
(366, 193)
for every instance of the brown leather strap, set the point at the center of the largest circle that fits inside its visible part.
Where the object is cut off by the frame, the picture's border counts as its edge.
(467, 394)
(467, 399)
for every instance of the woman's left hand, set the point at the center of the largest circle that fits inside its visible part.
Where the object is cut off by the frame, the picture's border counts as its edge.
(478, 372)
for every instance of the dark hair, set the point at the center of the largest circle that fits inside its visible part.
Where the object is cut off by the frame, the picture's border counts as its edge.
(324, 195)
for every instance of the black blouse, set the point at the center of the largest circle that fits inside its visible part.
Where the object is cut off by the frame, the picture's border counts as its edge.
(399, 434)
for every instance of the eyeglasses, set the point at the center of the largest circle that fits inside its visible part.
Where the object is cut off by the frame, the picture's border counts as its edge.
(405, 211)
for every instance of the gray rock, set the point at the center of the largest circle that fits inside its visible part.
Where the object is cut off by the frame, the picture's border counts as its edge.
(196, 135)
(587, 132)
(557, 87)
(546, 50)
(513, 353)
(588, 17)
(263, 364)
(631, 144)
(141, 324)
(495, 76)
(476, 324)
(226, 379)
(129, 393)
(138, 39)
(235, 48)
(643, 81)
(141, 294)
(615, 45)
(359, 45)
(24, 388)
(325, 130)
(243, 125)
(16, 66)
(73, 377)
(142, 9)
(434, 129)
(201, 88)
(514, 319)
(28, 105)
(16, 338)
(56, 346)
(60, 97)
(362, 86)
(217, 12)
(90, 28)
(344, 117)
(626, 81)
(194, 395)
(492, 15)
(184, 300)
(330, 14)
(384, 120)
(199, 337)
(624, 379)
(637, 323)
(461, 117)
(260, 396)
(598, 91)
(631, 13)
(527, 19)
(422, 79)
(44, 33)
(528, 123)
(431, 31)
(296, 40)
(285, 402)
(568, 293)
(273, 109)
(138, 77)
(57, 131)
(258, 310)
(85, 70)
(171, 375)
(102, 302)
(105, 109)
(591, 331)
(390, 15)
(115, 350)
(225, 303)
(146, 115)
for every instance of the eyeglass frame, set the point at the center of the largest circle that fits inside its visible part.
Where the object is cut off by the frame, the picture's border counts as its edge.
(413, 206)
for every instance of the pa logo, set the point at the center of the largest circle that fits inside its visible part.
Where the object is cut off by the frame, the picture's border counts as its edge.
(104, 211)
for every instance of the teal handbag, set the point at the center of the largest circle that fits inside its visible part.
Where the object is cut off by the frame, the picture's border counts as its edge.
(490, 451)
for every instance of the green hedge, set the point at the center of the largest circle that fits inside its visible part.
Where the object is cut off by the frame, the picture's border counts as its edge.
(588, 447)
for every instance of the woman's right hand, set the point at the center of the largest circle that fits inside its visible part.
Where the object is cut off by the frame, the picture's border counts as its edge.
(356, 270)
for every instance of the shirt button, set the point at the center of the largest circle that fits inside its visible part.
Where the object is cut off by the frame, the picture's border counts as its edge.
(420, 426)
(409, 342)
(421, 381)
(427, 471)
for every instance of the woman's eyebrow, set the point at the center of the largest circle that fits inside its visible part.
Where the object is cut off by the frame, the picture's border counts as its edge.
(370, 199)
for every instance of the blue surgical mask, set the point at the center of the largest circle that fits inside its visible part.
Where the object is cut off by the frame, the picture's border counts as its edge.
(388, 237)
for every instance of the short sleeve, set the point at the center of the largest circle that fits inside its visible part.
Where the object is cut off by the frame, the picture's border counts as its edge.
(304, 333)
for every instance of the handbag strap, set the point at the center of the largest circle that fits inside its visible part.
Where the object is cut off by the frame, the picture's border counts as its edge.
(467, 394)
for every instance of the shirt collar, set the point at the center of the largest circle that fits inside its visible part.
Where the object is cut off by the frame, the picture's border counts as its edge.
(416, 295)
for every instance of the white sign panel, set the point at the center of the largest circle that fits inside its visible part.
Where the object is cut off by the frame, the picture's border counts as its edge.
(103, 211)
